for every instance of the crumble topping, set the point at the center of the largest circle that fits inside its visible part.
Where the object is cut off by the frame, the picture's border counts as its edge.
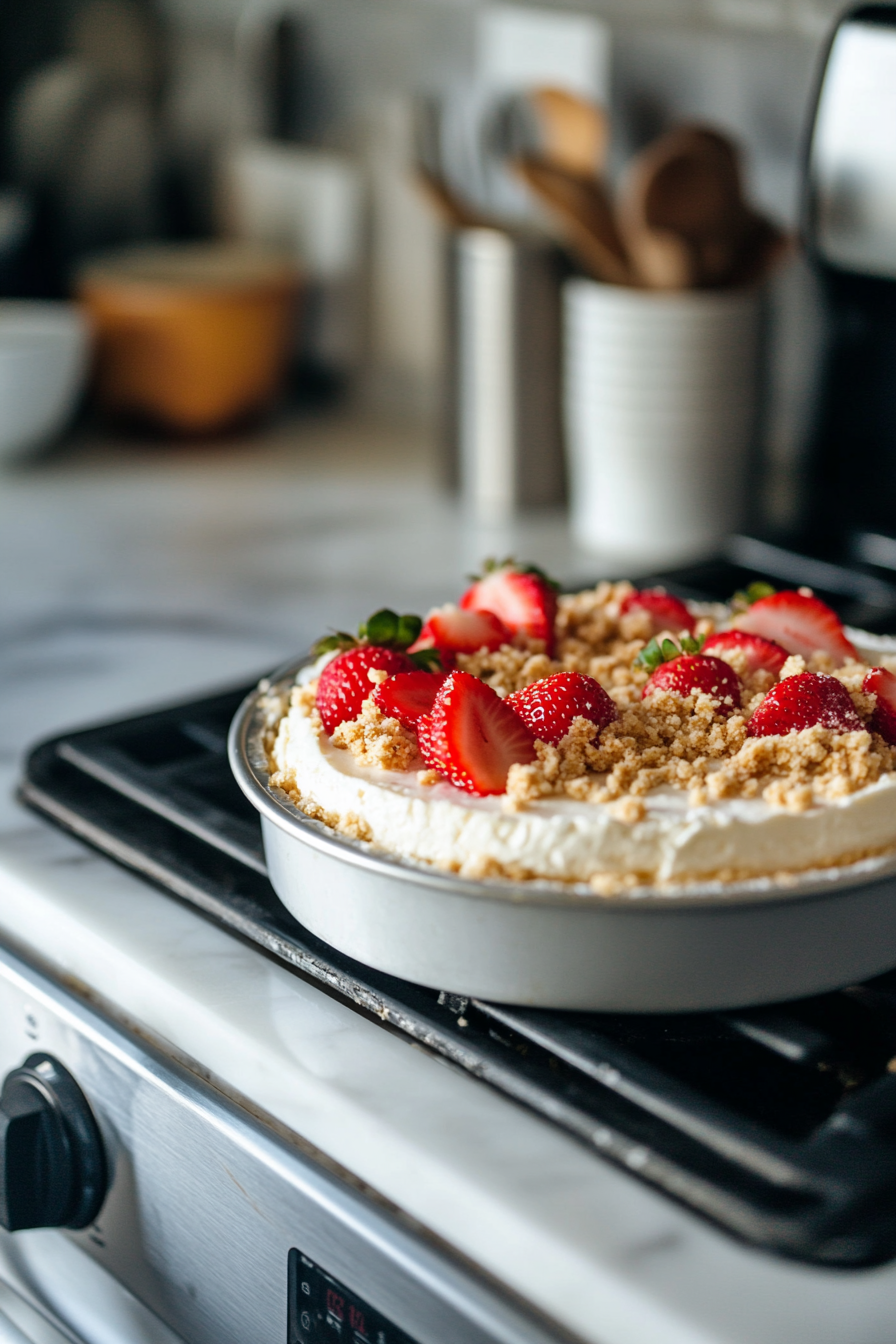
(375, 740)
(304, 699)
(682, 742)
(666, 741)
(592, 638)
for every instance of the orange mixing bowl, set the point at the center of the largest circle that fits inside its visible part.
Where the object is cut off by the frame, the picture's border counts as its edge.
(194, 337)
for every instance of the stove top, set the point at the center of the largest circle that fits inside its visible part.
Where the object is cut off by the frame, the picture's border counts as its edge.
(778, 1124)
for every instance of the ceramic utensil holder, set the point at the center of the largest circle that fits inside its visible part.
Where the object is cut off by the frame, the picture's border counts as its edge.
(660, 408)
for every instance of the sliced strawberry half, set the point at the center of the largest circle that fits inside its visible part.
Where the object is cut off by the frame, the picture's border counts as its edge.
(522, 596)
(344, 684)
(665, 611)
(800, 623)
(698, 672)
(472, 736)
(453, 630)
(882, 683)
(761, 654)
(803, 701)
(548, 707)
(407, 695)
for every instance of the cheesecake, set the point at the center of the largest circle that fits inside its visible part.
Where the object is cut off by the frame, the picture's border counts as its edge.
(615, 740)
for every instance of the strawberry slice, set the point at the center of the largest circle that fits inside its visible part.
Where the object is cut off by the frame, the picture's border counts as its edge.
(800, 623)
(407, 695)
(344, 684)
(698, 672)
(523, 597)
(666, 612)
(803, 701)
(451, 630)
(548, 707)
(473, 736)
(882, 683)
(761, 654)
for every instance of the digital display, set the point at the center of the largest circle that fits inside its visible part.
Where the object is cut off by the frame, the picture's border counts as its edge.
(323, 1311)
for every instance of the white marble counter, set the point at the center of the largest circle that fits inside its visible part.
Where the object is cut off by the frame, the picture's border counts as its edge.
(131, 576)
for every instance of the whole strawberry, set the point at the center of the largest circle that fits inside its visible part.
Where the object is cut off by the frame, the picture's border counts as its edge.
(522, 596)
(548, 707)
(882, 683)
(472, 736)
(665, 611)
(697, 672)
(803, 701)
(381, 644)
(344, 684)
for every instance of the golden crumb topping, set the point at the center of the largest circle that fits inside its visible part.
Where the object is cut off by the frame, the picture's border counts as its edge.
(664, 741)
(375, 740)
(682, 742)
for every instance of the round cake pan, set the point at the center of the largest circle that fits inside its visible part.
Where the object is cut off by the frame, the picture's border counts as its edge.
(550, 946)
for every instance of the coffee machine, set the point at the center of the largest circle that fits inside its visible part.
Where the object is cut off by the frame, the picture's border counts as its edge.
(849, 229)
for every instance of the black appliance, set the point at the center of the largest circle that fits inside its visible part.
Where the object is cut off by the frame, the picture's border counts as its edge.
(849, 229)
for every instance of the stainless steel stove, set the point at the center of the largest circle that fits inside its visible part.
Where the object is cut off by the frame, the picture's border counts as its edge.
(779, 1124)
(766, 1137)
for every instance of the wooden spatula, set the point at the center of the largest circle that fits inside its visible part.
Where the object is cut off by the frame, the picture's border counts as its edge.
(583, 216)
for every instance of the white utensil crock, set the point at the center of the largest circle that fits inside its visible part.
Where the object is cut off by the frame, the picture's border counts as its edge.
(659, 405)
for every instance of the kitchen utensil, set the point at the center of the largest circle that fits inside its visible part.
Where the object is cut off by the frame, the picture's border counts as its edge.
(44, 350)
(504, 428)
(191, 337)
(583, 215)
(707, 947)
(659, 402)
(680, 210)
(573, 133)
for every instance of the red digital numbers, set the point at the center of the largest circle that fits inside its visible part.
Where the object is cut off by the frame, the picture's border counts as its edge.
(336, 1305)
(356, 1320)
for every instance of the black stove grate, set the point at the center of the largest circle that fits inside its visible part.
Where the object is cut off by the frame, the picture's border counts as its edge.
(779, 1124)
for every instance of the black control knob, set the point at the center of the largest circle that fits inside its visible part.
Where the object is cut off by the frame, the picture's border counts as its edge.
(52, 1164)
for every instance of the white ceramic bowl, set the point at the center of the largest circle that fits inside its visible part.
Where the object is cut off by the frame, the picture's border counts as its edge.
(44, 350)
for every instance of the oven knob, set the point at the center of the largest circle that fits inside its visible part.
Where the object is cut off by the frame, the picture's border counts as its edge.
(52, 1163)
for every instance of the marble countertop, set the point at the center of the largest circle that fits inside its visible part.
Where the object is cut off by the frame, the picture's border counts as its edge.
(134, 574)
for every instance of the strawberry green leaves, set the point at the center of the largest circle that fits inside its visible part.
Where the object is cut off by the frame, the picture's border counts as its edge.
(654, 654)
(744, 598)
(494, 566)
(386, 630)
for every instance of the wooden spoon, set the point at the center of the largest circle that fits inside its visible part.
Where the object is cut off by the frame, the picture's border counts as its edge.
(583, 215)
(681, 210)
(573, 133)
